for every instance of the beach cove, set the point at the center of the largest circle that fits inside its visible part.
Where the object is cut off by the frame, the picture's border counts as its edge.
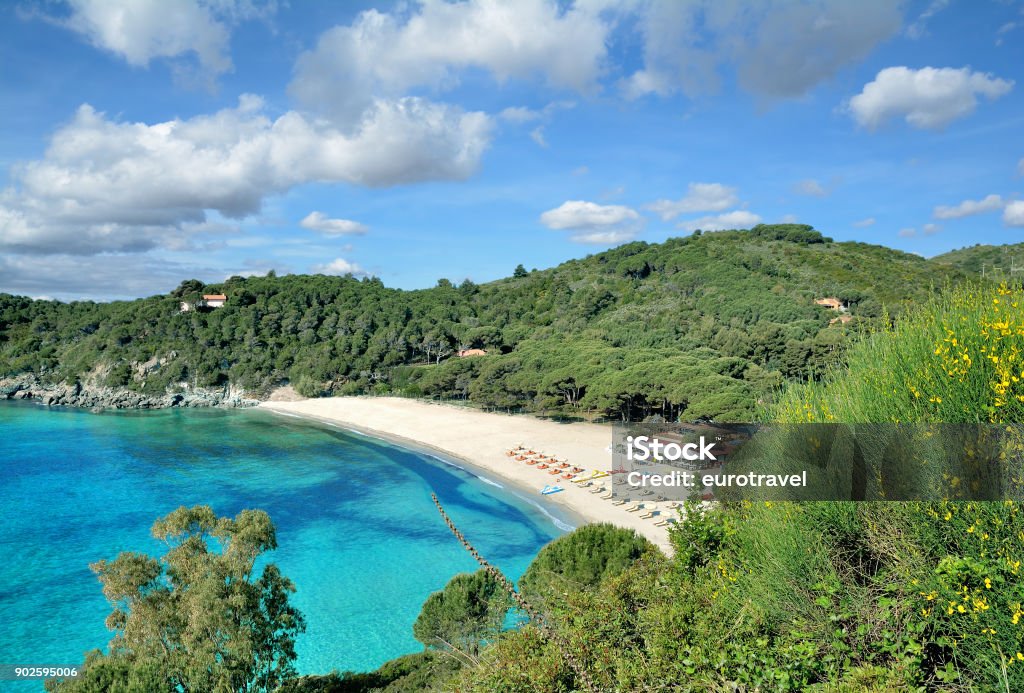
(481, 440)
(357, 532)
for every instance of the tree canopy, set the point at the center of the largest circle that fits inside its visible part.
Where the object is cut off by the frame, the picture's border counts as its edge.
(467, 612)
(696, 327)
(197, 618)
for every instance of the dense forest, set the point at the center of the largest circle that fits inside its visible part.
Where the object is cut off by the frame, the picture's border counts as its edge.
(697, 327)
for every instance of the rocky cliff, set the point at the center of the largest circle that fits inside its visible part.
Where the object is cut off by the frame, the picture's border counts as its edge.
(96, 397)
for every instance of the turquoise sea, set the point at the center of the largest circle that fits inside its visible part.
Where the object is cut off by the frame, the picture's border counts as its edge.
(357, 531)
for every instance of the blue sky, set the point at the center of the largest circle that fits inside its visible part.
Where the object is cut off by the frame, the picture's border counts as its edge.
(148, 141)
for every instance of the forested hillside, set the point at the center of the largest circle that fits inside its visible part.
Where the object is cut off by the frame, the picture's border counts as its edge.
(702, 326)
(995, 261)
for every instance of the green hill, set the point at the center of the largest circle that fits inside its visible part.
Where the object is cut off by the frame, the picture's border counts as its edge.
(694, 327)
(994, 261)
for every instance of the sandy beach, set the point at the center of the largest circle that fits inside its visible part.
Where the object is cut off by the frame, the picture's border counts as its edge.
(481, 440)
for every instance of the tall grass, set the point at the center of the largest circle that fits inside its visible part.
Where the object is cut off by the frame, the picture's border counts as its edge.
(958, 360)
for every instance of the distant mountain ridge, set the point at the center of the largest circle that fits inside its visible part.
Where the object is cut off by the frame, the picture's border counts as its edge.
(704, 326)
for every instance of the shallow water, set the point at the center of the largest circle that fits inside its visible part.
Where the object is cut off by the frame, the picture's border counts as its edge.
(357, 531)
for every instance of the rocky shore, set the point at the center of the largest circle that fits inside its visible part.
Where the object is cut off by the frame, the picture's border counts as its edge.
(94, 397)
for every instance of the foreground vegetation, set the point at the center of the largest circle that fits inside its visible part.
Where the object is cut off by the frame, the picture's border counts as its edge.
(196, 619)
(697, 327)
(830, 596)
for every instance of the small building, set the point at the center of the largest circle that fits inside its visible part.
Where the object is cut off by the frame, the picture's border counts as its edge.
(207, 302)
(463, 353)
(213, 300)
(833, 303)
(845, 318)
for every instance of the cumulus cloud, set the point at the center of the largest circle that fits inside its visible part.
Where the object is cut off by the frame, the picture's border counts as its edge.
(106, 186)
(318, 221)
(778, 48)
(926, 98)
(699, 197)
(1013, 215)
(864, 223)
(339, 267)
(388, 54)
(909, 232)
(737, 219)
(810, 187)
(968, 208)
(142, 30)
(931, 229)
(594, 223)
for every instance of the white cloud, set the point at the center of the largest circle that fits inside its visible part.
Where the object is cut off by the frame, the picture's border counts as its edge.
(1013, 215)
(931, 229)
(864, 223)
(140, 31)
(926, 98)
(918, 28)
(699, 197)
(339, 267)
(584, 170)
(594, 223)
(520, 114)
(1005, 29)
(968, 208)
(789, 219)
(537, 135)
(318, 221)
(102, 277)
(387, 54)
(779, 48)
(737, 219)
(111, 186)
(810, 187)
(909, 232)
(1020, 167)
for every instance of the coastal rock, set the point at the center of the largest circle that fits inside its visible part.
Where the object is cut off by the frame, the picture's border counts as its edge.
(98, 398)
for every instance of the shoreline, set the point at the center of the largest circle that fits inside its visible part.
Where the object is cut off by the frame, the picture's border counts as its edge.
(565, 515)
(480, 440)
